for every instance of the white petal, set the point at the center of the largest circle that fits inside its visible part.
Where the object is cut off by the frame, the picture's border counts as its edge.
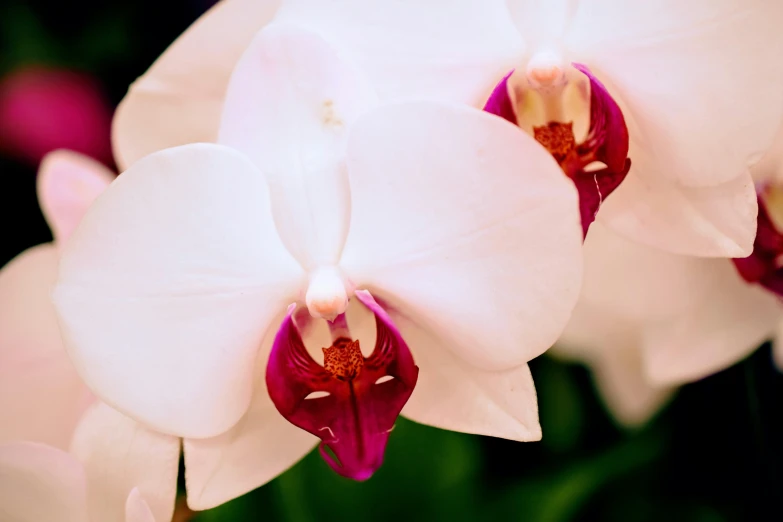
(179, 99)
(453, 396)
(169, 285)
(733, 319)
(640, 283)
(119, 455)
(770, 167)
(701, 79)
(261, 446)
(68, 183)
(289, 104)
(439, 49)
(41, 395)
(40, 483)
(611, 346)
(716, 221)
(541, 24)
(688, 316)
(137, 509)
(465, 225)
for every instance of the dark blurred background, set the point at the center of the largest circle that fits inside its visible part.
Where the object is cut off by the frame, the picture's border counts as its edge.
(714, 454)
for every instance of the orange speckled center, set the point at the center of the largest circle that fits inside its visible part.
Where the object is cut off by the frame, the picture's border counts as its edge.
(344, 359)
(557, 138)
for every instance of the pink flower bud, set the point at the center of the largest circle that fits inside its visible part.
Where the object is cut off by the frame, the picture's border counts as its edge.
(46, 109)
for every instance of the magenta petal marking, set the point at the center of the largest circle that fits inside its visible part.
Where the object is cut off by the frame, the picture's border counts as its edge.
(593, 188)
(499, 102)
(763, 266)
(354, 420)
(608, 134)
(607, 142)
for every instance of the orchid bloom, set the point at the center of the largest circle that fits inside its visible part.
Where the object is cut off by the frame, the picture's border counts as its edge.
(193, 291)
(117, 470)
(670, 73)
(648, 321)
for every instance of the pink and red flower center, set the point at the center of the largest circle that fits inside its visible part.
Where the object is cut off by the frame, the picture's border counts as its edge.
(358, 398)
(606, 141)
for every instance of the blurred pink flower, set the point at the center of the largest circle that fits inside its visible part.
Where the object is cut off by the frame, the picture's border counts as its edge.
(46, 409)
(41, 395)
(43, 109)
(175, 284)
(116, 471)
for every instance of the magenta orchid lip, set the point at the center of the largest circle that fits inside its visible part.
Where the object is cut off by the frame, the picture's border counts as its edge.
(363, 395)
(606, 142)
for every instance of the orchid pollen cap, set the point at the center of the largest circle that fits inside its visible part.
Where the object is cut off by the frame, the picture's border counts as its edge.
(326, 297)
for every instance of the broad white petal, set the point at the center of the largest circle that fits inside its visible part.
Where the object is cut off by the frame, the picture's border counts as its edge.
(439, 49)
(41, 395)
(733, 319)
(453, 396)
(541, 24)
(610, 345)
(40, 483)
(716, 221)
(701, 79)
(631, 397)
(179, 99)
(261, 446)
(467, 226)
(169, 285)
(289, 104)
(640, 283)
(68, 183)
(119, 455)
(688, 316)
(770, 168)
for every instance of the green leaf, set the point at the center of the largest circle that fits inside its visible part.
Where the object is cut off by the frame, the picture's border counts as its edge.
(422, 467)
(558, 496)
(560, 406)
(26, 40)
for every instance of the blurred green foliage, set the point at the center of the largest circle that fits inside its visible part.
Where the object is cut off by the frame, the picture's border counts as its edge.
(103, 39)
(584, 469)
(432, 474)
